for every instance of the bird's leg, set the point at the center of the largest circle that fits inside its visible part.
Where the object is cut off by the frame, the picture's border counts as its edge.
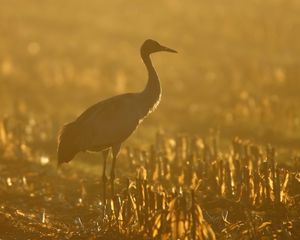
(115, 152)
(104, 179)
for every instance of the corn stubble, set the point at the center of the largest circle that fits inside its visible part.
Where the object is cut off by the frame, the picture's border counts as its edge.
(185, 188)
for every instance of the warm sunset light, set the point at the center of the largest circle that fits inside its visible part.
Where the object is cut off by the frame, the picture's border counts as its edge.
(149, 119)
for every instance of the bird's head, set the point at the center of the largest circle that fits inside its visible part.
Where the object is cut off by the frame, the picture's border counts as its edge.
(151, 46)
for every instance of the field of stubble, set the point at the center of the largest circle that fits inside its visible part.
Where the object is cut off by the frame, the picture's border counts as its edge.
(218, 159)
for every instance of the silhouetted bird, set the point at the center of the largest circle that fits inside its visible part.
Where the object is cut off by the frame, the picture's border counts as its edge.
(109, 123)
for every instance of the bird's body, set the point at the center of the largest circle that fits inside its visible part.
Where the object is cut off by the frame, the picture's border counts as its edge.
(108, 123)
(111, 125)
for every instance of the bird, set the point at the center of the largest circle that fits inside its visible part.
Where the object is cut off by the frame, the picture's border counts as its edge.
(107, 124)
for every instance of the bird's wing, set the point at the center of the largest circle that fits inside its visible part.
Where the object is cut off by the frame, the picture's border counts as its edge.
(110, 121)
(98, 107)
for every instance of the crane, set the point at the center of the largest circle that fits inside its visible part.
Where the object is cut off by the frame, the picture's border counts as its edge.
(108, 123)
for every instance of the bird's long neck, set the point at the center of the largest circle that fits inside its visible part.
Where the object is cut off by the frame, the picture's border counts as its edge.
(151, 93)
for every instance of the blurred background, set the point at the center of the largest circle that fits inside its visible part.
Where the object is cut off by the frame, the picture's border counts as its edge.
(237, 74)
(237, 71)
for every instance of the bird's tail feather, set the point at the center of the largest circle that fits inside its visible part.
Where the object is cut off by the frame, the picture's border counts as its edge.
(67, 143)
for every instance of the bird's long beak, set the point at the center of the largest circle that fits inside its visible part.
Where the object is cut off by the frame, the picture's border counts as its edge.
(166, 49)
